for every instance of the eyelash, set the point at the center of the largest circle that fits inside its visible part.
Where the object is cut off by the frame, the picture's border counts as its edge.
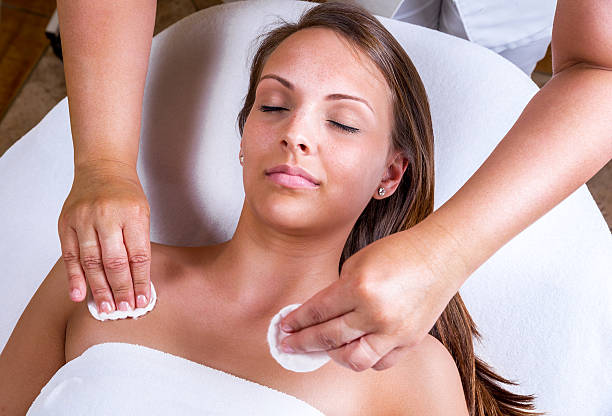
(267, 108)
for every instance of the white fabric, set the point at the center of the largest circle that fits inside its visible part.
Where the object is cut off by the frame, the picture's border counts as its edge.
(424, 13)
(385, 8)
(541, 302)
(117, 314)
(298, 362)
(518, 30)
(115, 378)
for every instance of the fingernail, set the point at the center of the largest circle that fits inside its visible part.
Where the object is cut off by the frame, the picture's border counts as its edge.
(124, 306)
(75, 294)
(287, 348)
(286, 327)
(105, 307)
(141, 301)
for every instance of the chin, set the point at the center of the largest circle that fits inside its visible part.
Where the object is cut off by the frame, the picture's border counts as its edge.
(285, 212)
(288, 217)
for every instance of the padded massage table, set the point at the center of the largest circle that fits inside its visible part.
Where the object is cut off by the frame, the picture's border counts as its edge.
(541, 302)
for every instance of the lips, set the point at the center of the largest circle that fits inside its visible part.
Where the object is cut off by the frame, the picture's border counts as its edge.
(294, 170)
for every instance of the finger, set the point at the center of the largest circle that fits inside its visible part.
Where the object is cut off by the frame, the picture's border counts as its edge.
(390, 359)
(91, 262)
(364, 352)
(138, 244)
(70, 254)
(328, 303)
(116, 265)
(329, 335)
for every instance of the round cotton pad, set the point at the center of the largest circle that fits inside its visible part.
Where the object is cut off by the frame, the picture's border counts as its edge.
(117, 314)
(298, 362)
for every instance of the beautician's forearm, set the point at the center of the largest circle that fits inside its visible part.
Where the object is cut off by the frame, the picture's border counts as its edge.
(562, 138)
(106, 47)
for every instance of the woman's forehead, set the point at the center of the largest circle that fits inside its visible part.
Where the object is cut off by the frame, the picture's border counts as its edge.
(324, 48)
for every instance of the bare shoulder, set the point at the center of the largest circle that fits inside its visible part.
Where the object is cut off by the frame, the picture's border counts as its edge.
(425, 381)
(35, 349)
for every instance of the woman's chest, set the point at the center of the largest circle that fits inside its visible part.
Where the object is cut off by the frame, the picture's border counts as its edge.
(213, 337)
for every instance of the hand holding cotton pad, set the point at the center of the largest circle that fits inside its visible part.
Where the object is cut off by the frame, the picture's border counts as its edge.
(103, 316)
(298, 362)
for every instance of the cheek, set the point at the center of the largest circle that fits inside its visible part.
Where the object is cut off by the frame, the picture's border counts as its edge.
(352, 176)
(256, 134)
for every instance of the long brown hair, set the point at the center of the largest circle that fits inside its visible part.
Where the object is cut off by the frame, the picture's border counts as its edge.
(413, 199)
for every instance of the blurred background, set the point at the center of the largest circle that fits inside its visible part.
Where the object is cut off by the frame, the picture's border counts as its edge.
(32, 75)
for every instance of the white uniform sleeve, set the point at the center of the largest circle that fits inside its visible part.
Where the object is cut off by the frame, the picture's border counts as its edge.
(518, 30)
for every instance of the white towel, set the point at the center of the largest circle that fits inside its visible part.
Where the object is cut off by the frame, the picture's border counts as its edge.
(116, 378)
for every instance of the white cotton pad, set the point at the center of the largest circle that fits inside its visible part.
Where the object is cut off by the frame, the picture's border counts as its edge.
(298, 362)
(117, 314)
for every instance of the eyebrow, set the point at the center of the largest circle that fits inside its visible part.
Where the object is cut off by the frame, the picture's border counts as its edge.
(336, 96)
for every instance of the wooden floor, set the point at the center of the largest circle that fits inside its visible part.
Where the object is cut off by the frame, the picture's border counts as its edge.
(32, 77)
(22, 43)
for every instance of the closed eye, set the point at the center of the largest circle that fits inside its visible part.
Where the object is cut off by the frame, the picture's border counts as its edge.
(265, 109)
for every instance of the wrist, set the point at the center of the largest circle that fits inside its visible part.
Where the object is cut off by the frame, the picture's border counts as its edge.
(106, 169)
(103, 164)
(448, 258)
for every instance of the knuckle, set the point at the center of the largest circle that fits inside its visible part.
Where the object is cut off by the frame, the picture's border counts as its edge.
(140, 210)
(380, 313)
(383, 318)
(325, 340)
(315, 314)
(73, 277)
(140, 282)
(140, 287)
(70, 257)
(115, 264)
(106, 208)
(365, 289)
(62, 222)
(99, 292)
(140, 259)
(381, 365)
(354, 364)
(81, 213)
(91, 263)
(412, 342)
(67, 210)
(121, 290)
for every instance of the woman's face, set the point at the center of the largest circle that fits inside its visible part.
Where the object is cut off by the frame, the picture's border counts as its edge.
(297, 119)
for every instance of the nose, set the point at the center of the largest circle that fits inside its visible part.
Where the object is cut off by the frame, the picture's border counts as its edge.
(296, 145)
(297, 135)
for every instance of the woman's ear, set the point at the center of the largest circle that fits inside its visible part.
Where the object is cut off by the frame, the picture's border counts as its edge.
(393, 175)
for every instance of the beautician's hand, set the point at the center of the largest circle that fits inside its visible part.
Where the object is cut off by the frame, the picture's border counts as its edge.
(388, 297)
(104, 233)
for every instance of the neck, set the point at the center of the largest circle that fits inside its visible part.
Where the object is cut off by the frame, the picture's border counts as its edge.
(262, 269)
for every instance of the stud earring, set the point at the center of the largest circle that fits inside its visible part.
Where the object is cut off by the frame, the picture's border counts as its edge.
(241, 159)
(381, 191)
